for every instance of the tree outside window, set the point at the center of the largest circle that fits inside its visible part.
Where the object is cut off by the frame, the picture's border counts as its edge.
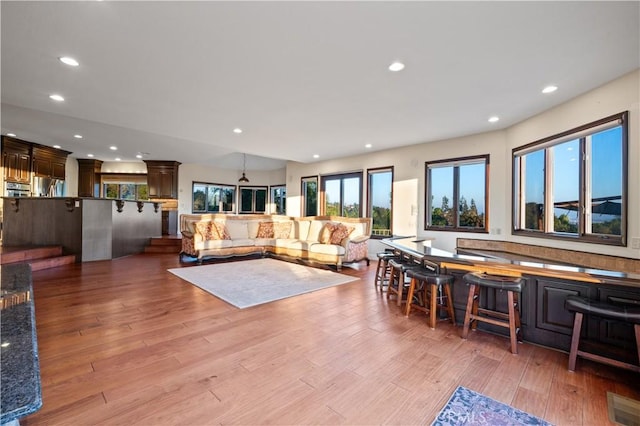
(380, 184)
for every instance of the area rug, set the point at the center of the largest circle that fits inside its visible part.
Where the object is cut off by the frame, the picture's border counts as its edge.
(466, 407)
(254, 282)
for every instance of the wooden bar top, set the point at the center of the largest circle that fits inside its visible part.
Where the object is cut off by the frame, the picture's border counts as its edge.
(512, 267)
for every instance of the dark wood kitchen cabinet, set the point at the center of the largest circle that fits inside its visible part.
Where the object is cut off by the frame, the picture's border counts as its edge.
(49, 162)
(16, 160)
(89, 177)
(162, 179)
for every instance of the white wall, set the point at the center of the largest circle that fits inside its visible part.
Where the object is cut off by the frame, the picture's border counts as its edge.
(409, 170)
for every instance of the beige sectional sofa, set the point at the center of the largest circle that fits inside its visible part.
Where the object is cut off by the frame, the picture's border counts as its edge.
(331, 240)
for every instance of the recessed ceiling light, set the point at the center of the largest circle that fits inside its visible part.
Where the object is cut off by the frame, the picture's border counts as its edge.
(69, 61)
(139, 156)
(56, 97)
(117, 158)
(13, 135)
(237, 130)
(494, 119)
(396, 66)
(113, 148)
(316, 156)
(90, 155)
(57, 146)
(368, 145)
(549, 89)
(77, 136)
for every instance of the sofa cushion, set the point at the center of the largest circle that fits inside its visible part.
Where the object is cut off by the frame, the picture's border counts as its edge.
(265, 242)
(314, 230)
(265, 230)
(340, 232)
(325, 233)
(216, 244)
(223, 233)
(237, 229)
(327, 249)
(281, 229)
(295, 244)
(207, 230)
(243, 242)
(300, 229)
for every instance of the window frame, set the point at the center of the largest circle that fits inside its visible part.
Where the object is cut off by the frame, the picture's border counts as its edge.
(273, 208)
(341, 177)
(206, 200)
(119, 179)
(456, 163)
(303, 192)
(370, 173)
(581, 133)
(254, 198)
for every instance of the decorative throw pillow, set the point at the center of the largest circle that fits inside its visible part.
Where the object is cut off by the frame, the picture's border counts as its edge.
(223, 233)
(340, 232)
(265, 230)
(281, 229)
(207, 230)
(325, 233)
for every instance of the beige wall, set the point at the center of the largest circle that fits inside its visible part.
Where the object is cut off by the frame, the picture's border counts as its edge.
(408, 207)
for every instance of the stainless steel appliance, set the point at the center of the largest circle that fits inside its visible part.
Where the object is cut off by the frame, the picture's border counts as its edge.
(13, 189)
(47, 187)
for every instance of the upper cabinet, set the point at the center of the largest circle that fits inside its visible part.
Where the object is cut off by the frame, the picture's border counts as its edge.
(89, 177)
(162, 179)
(16, 160)
(49, 162)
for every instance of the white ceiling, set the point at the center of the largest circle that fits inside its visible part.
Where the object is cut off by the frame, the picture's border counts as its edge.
(173, 79)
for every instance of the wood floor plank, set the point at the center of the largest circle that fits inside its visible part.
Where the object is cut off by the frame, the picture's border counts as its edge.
(126, 342)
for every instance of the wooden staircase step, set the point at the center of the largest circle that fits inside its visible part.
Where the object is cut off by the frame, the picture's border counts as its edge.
(52, 262)
(162, 249)
(26, 254)
(166, 241)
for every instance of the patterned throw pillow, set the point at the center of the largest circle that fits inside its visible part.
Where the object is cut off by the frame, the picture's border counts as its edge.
(325, 233)
(281, 229)
(207, 230)
(340, 232)
(223, 233)
(265, 230)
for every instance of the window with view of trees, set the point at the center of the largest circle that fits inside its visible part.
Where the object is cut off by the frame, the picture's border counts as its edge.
(309, 196)
(213, 198)
(125, 187)
(279, 199)
(342, 195)
(456, 194)
(573, 185)
(380, 195)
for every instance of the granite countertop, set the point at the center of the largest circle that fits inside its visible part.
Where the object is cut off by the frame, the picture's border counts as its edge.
(417, 247)
(20, 373)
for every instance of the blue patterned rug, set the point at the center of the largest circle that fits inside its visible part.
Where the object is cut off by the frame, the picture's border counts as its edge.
(466, 407)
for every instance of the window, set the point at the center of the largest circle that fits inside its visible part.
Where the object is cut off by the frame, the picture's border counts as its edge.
(309, 196)
(213, 198)
(342, 195)
(456, 194)
(253, 199)
(573, 185)
(380, 200)
(278, 199)
(125, 187)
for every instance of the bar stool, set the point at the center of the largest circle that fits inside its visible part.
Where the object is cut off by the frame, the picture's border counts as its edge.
(397, 284)
(383, 270)
(621, 313)
(429, 287)
(473, 314)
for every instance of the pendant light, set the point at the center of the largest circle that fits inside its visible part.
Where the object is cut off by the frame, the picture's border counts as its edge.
(244, 179)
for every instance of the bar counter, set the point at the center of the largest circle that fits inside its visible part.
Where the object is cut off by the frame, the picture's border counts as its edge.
(20, 373)
(545, 320)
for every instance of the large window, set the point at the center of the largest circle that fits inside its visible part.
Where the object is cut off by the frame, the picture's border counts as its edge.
(456, 194)
(573, 185)
(380, 196)
(253, 199)
(213, 198)
(278, 199)
(342, 195)
(309, 196)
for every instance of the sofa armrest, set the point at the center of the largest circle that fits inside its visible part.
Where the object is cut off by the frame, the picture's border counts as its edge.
(356, 249)
(359, 239)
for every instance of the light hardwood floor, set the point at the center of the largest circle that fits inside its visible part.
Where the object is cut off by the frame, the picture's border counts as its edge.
(125, 342)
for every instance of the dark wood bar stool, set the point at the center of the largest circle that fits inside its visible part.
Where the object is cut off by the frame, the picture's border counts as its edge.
(621, 313)
(397, 280)
(473, 314)
(383, 271)
(430, 297)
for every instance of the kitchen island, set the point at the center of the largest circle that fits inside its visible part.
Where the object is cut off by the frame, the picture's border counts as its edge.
(545, 321)
(90, 228)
